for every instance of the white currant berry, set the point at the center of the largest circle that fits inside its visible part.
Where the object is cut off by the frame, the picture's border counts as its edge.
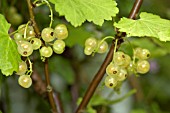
(119, 58)
(142, 53)
(30, 31)
(88, 50)
(145, 54)
(22, 68)
(142, 66)
(61, 32)
(25, 48)
(122, 75)
(21, 29)
(18, 36)
(127, 61)
(47, 34)
(132, 67)
(110, 81)
(103, 47)
(92, 42)
(46, 51)
(36, 43)
(59, 46)
(112, 69)
(25, 81)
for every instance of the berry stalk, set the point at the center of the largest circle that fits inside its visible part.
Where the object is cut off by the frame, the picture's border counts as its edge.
(98, 77)
(49, 88)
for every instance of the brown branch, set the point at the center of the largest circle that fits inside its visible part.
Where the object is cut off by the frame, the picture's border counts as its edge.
(135, 9)
(49, 88)
(98, 77)
(40, 88)
(30, 8)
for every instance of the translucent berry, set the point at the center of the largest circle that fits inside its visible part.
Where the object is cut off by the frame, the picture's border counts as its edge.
(112, 69)
(145, 54)
(127, 61)
(110, 81)
(132, 67)
(47, 34)
(18, 36)
(59, 46)
(46, 51)
(88, 50)
(25, 81)
(142, 66)
(119, 58)
(92, 42)
(30, 31)
(36, 43)
(61, 31)
(22, 68)
(25, 48)
(122, 75)
(103, 47)
(21, 29)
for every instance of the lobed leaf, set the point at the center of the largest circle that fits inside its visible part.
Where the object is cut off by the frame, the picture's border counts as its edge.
(78, 11)
(9, 56)
(148, 25)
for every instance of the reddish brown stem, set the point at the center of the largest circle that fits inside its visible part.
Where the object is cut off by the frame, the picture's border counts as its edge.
(98, 77)
(49, 88)
(30, 7)
(135, 9)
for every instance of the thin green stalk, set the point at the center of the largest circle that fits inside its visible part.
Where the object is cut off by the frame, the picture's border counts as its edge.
(131, 92)
(51, 12)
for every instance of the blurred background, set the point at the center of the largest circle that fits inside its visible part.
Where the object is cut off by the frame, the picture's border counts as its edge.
(72, 71)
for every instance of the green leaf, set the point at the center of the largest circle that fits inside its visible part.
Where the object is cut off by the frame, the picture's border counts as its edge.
(63, 67)
(148, 25)
(78, 11)
(9, 56)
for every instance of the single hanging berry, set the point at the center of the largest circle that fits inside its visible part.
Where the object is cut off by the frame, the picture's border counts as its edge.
(91, 42)
(46, 51)
(22, 68)
(61, 32)
(47, 34)
(59, 46)
(36, 43)
(25, 48)
(142, 66)
(102, 47)
(110, 81)
(112, 69)
(25, 81)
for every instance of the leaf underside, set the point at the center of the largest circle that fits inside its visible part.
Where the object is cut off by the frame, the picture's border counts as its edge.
(149, 25)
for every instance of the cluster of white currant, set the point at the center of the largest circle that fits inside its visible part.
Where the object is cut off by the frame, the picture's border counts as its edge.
(93, 45)
(56, 36)
(118, 69)
(27, 42)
